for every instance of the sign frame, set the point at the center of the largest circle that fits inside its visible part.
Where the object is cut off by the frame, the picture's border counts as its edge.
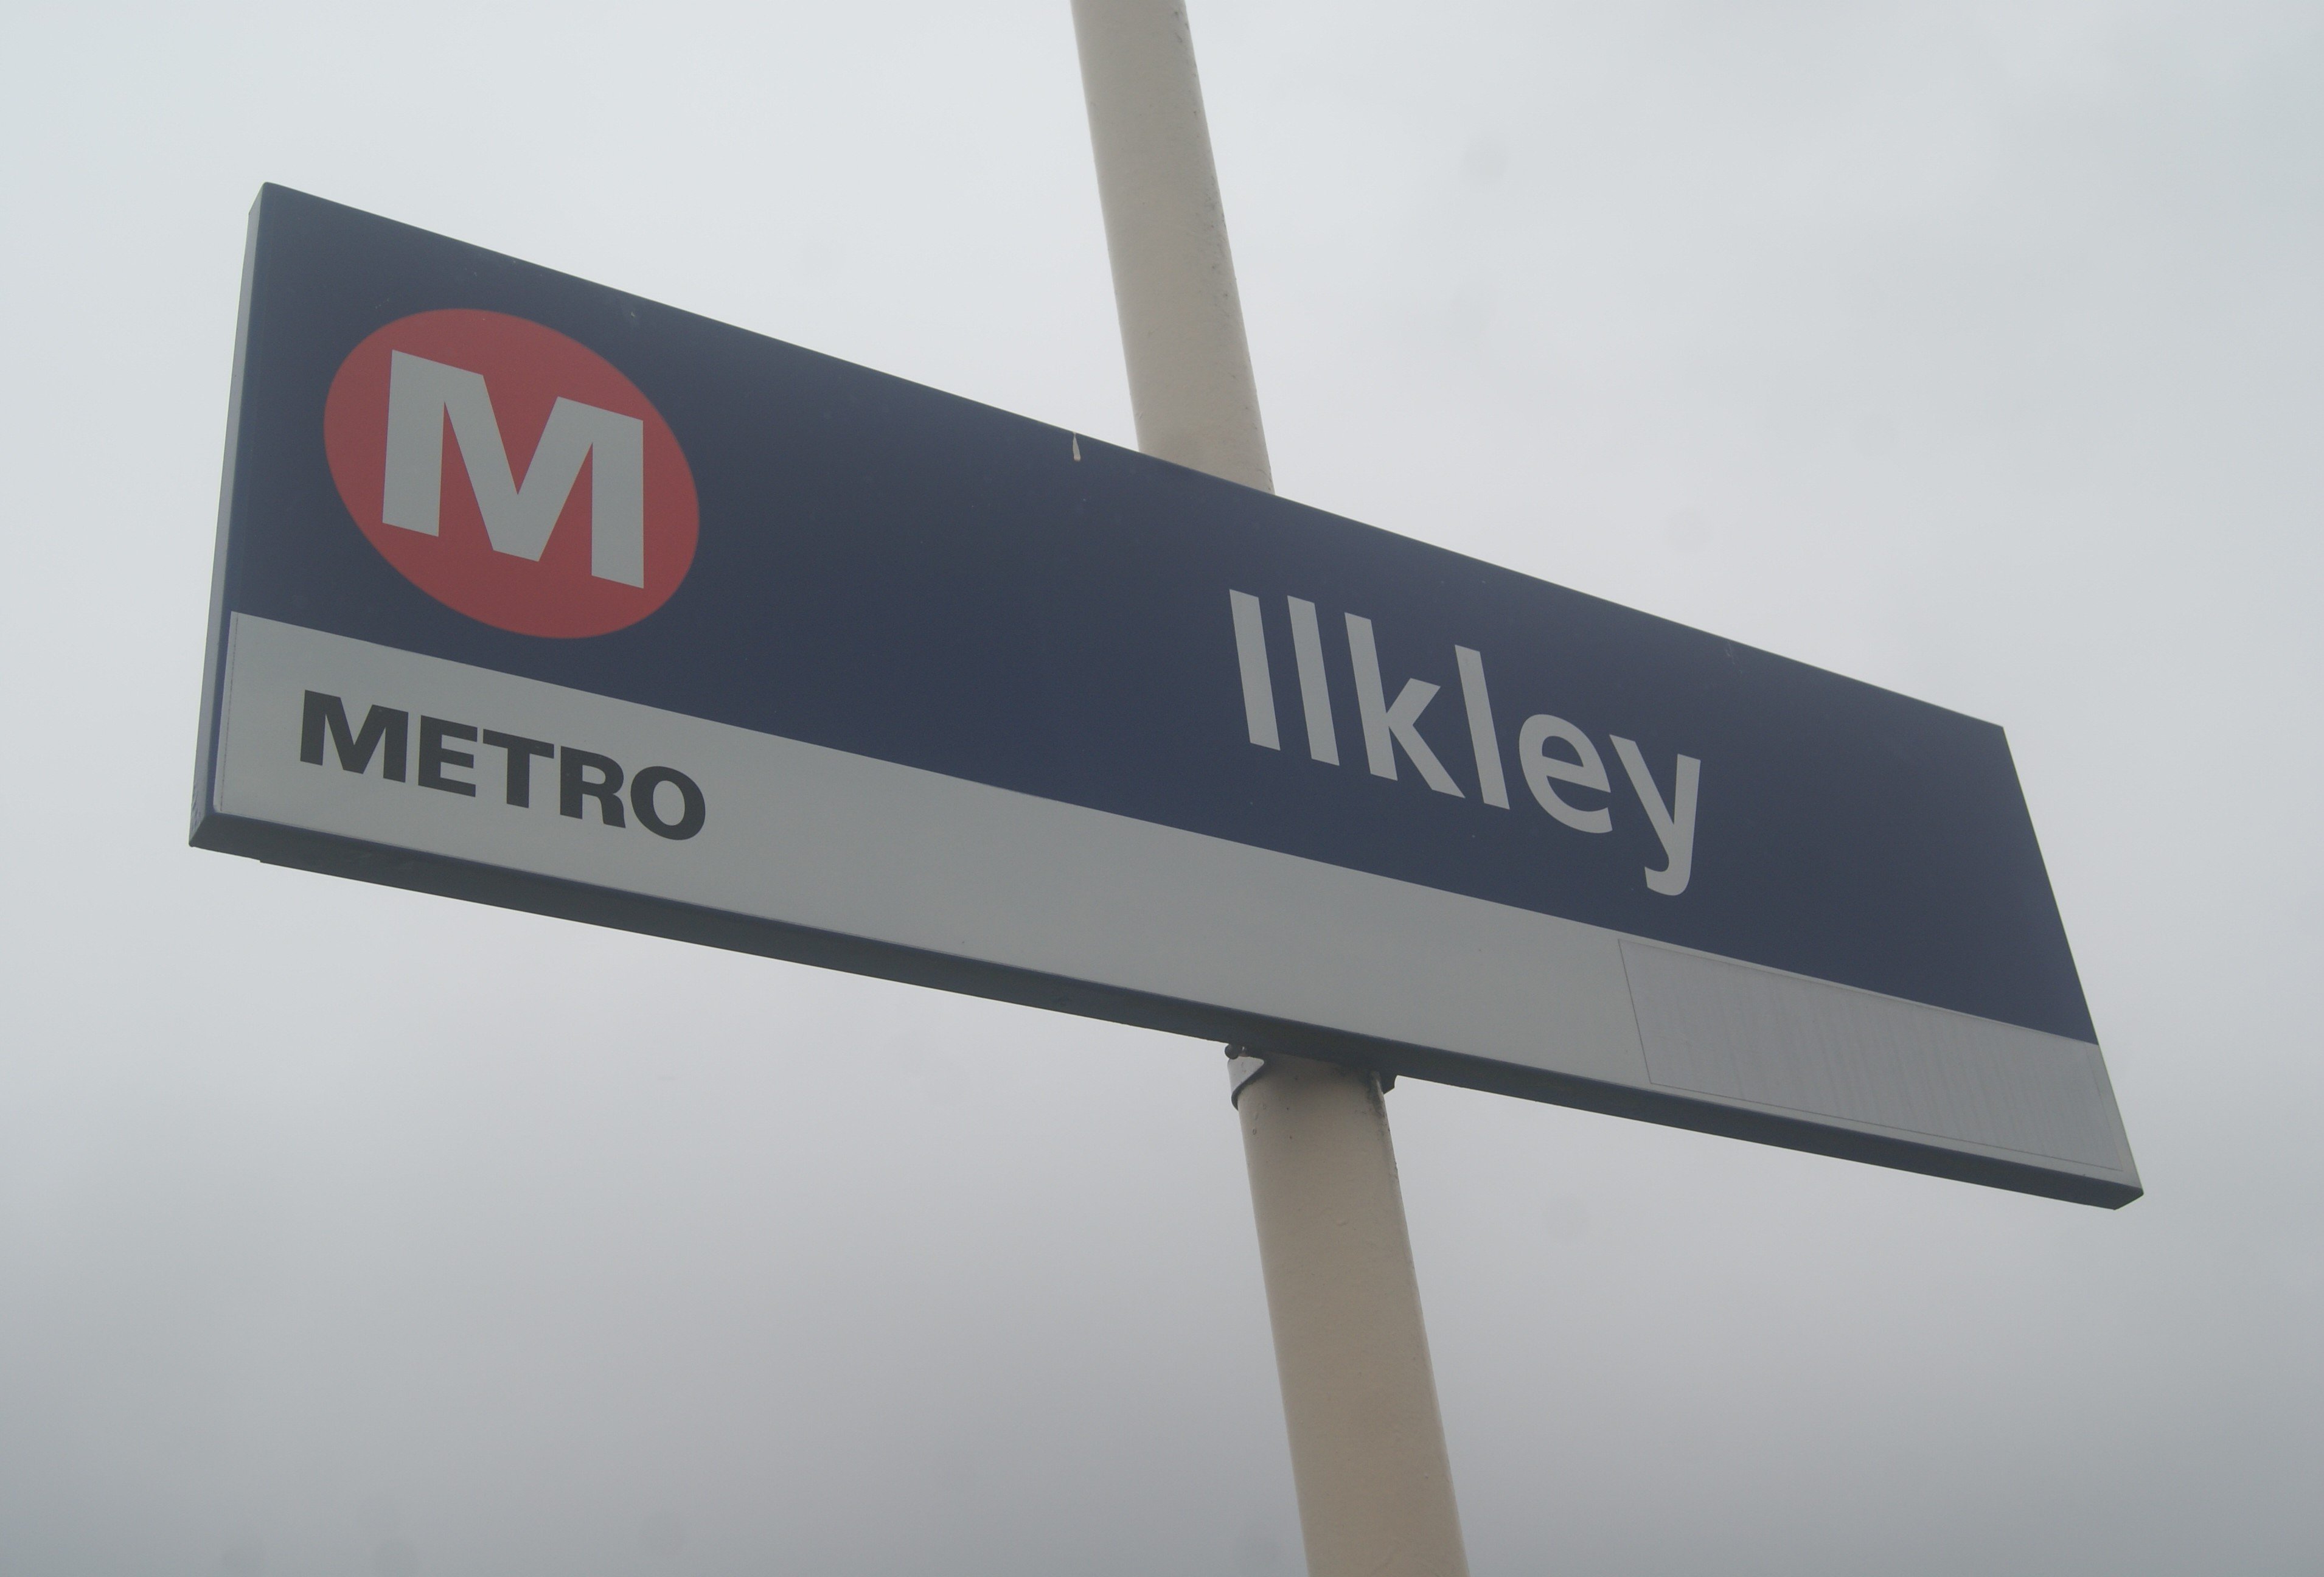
(1691, 997)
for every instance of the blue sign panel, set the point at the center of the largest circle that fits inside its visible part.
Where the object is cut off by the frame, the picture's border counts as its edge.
(534, 592)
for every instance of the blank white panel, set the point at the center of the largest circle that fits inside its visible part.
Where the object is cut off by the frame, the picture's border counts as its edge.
(1720, 1028)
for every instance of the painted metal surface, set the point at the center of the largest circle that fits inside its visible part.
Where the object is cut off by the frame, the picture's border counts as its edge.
(974, 701)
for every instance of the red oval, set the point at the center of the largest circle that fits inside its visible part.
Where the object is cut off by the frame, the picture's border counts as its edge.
(527, 369)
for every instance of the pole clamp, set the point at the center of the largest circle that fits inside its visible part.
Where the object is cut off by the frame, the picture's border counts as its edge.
(1243, 1066)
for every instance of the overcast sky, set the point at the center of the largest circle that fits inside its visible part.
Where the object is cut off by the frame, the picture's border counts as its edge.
(1974, 350)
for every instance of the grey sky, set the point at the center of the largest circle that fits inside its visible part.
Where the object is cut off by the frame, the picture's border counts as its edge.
(1972, 350)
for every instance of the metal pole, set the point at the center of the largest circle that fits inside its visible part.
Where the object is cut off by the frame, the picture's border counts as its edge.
(1367, 1442)
(1358, 1394)
(1174, 284)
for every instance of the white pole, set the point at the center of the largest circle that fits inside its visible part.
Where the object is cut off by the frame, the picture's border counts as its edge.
(1174, 284)
(1358, 1394)
(1367, 1442)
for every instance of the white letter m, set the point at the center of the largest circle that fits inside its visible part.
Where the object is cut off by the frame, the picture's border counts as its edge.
(421, 394)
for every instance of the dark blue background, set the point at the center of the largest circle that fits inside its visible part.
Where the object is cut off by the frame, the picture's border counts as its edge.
(896, 572)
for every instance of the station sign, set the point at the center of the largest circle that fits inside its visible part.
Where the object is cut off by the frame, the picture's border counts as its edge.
(533, 593)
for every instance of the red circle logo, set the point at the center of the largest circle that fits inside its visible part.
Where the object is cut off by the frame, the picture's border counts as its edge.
(510, 473)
